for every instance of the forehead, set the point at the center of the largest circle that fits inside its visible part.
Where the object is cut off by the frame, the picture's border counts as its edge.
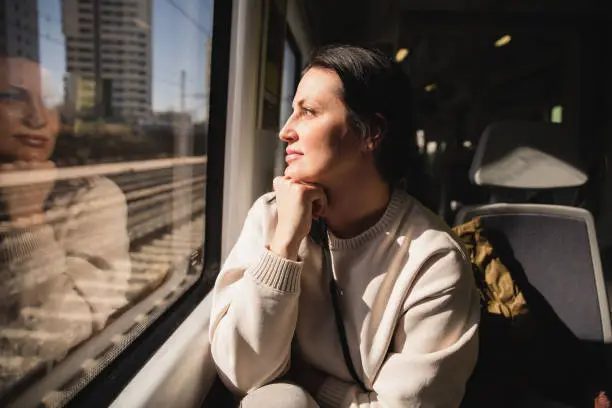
(319, 84)
(20, 72)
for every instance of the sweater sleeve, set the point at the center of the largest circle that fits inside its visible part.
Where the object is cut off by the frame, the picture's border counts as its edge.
(434, 348)
(255, 309)
(73, 286)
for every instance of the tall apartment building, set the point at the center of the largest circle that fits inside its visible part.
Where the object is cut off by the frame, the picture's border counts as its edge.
(108, 44)
(19, 29)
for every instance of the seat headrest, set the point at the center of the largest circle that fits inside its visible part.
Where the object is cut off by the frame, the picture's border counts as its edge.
(530, 155)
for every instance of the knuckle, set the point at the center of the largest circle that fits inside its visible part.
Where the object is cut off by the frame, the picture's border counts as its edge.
(301, 189)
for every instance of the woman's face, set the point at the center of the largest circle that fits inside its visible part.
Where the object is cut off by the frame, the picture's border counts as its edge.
(28, 128)
(322, 148)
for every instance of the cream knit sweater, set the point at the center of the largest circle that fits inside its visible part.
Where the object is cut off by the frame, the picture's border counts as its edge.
(409, 302)
(61, 281)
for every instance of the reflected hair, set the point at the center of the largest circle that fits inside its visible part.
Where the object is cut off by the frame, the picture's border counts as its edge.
(377, 94)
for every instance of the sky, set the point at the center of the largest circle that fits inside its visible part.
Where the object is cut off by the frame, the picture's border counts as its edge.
(181, 29)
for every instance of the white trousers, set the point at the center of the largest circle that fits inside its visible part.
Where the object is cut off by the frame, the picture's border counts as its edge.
(279, 395)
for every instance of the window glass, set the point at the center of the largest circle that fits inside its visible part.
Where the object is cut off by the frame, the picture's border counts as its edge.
(288, 87)
(103, 120)
(289, 83)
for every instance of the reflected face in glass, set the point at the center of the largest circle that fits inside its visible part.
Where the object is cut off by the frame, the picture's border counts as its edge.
(28, 127)
(322, 147)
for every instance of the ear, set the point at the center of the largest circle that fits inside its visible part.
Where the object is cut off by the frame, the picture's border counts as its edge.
(378, 130)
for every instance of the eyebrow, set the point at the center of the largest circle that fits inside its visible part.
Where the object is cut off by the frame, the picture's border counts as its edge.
(298, 103)
(302, 101)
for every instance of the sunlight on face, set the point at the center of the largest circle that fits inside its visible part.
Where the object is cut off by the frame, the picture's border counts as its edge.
(28, 122)
(322, 148)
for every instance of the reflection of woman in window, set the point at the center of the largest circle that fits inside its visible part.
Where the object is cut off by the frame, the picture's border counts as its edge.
(388, 317)
(64, 261)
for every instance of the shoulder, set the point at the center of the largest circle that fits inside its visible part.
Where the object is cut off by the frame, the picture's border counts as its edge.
(429, 235)
(103, 187)
(436, 261)
(264, 207)
(263, 213)
(94, 191)
(102, 184)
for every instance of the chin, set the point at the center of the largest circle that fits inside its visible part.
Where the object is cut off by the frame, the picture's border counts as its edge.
(302, 176)
(33, 155)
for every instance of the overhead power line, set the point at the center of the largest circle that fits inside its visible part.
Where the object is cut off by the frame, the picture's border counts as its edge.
(195, 22)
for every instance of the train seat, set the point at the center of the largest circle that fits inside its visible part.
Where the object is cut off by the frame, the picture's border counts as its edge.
(550, 249)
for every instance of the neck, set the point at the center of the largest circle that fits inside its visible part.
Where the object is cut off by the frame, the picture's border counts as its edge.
(356, 204)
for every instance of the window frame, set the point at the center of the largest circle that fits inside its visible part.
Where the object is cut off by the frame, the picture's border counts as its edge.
(290, 38)
(102, 389)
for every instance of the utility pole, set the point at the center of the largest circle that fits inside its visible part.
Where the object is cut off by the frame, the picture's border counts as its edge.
(183, 74)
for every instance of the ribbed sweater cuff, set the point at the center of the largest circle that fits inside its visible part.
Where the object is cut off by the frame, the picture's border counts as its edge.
(333, 393)
(22, 243)
(277, 272)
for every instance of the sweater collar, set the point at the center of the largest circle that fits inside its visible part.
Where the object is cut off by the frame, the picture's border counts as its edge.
(396, 204)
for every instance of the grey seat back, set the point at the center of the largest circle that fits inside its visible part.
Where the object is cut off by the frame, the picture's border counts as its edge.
(554, 250)
(527, 155)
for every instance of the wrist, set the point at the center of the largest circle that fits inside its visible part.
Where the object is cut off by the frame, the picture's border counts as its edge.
(27, 221)
(284, 249)
(25, 211)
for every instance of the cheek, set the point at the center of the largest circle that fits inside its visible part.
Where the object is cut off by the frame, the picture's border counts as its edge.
(345, 148)
(6, 126)
(322, 140)
(5, 119)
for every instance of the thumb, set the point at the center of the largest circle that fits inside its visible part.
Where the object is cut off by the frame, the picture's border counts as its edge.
(319, 206)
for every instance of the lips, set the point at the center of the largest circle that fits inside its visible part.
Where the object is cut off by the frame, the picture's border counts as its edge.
(292, 155)
(30, 140)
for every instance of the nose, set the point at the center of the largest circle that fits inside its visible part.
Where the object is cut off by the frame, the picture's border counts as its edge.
(34, 115)
(287, 133)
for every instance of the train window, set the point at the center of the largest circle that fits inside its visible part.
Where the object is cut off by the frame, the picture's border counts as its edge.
(290, 78)
(290, 68)
(102, 186)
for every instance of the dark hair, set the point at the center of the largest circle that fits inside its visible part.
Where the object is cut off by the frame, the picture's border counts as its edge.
(373, 84)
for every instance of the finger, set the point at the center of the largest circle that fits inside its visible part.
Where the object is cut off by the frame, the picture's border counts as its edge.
(313, 191)
(316, 211)
(277, 183)
(7, 167)
(20, 165)
(28, 165)
(305, 190)
(36, 166)
(49, 165)
(319, 207)
(316, 195)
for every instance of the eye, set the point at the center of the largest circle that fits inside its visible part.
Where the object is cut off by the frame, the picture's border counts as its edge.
(308, 112)
(13, 94)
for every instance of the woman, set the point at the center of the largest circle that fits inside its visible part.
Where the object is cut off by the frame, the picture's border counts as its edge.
(403, 291)
(64, 260)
